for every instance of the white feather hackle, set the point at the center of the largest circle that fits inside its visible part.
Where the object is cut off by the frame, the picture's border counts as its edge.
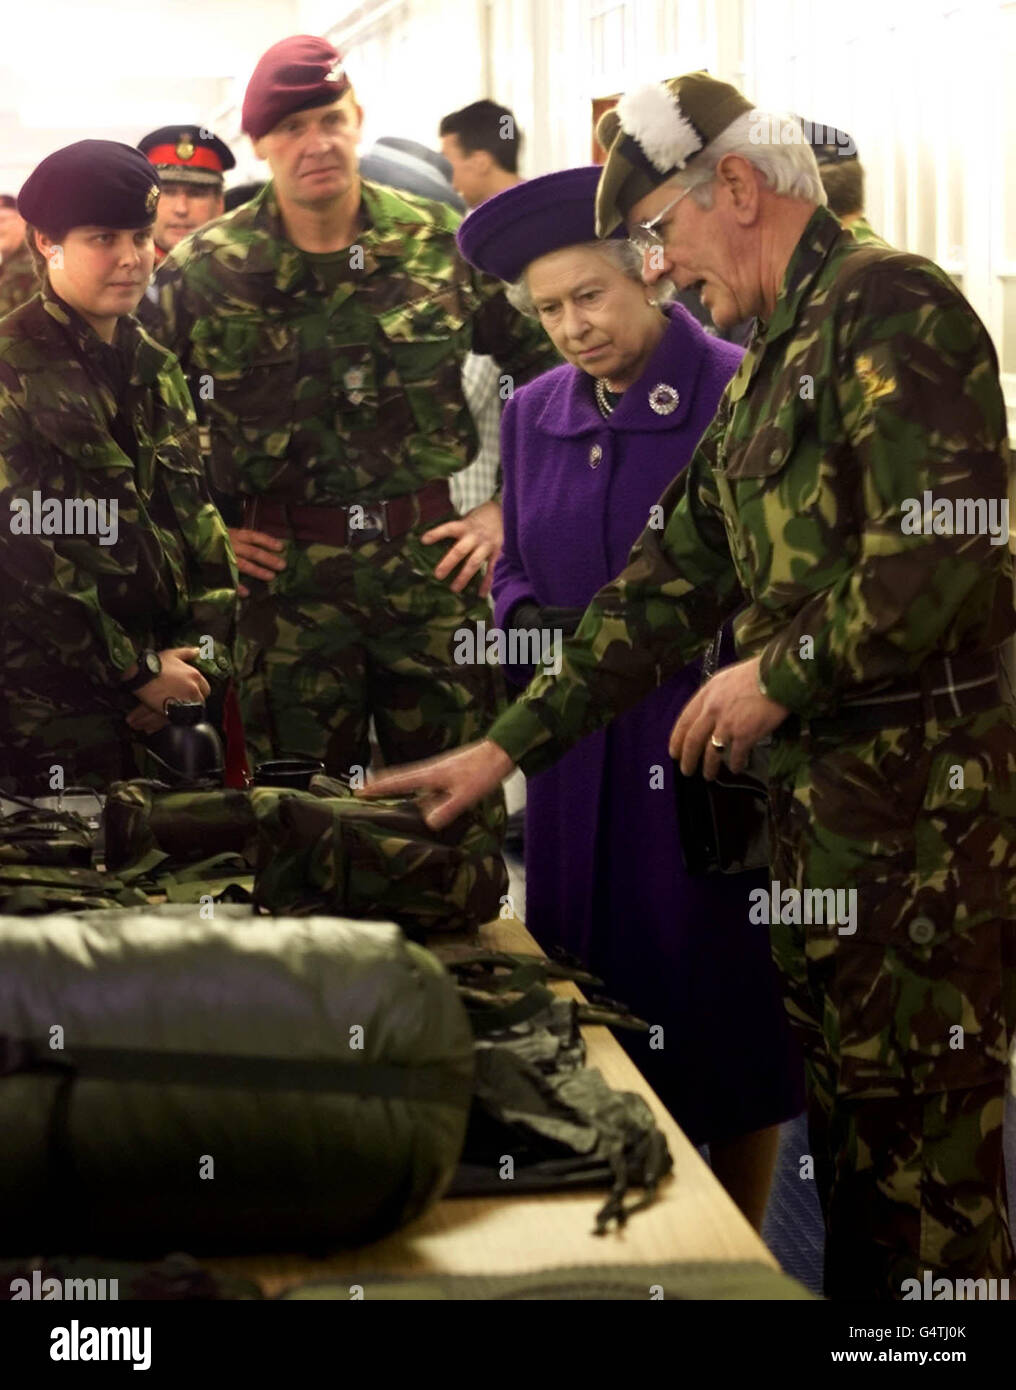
(652, 115)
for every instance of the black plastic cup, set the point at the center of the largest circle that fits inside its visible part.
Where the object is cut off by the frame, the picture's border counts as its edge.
(288, 772)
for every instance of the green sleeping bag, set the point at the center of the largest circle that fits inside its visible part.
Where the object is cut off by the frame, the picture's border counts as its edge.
(168, 1082)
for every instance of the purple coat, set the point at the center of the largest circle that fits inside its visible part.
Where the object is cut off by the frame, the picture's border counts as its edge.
(604, 877)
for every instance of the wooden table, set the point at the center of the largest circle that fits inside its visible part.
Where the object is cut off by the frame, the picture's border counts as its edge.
(692, 1218)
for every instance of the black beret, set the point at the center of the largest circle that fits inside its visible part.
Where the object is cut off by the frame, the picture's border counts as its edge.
(98, 183)
(188, 154)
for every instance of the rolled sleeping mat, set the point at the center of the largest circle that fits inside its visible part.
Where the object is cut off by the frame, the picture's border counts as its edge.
(172, 1083)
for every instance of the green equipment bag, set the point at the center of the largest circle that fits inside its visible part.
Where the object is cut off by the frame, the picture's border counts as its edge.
(168, 1082)
(319, 851)
(326, 850)
(145, 819)
(46, 864)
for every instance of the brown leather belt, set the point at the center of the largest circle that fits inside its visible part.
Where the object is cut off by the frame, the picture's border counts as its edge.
(353, 524)
(948, 687)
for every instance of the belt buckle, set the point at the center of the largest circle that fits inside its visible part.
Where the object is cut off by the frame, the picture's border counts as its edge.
(377, 515)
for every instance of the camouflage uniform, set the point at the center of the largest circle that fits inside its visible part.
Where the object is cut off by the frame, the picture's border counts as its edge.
(865, 233)
(84, 420)
(18, 280)
(872, 381)
(334, 383)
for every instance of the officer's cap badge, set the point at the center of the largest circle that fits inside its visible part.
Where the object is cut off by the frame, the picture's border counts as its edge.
(184, 147)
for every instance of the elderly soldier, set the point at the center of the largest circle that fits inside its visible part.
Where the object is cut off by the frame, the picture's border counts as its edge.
(191, 162)
(117, 574)
(327, 320)
(835, 490)
(18, 280)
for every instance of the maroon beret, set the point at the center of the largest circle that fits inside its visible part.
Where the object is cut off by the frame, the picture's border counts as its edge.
(294, 75)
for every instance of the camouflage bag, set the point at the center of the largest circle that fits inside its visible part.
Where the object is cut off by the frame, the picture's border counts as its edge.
(327, 850)
(145, 819)
(46, 864)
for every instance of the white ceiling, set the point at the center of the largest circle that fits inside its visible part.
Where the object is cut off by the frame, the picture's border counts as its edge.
(115, 69)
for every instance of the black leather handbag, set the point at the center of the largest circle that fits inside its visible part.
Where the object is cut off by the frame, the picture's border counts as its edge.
(724, 825)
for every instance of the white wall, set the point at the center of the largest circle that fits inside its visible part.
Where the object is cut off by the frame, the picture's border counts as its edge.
(115, 69)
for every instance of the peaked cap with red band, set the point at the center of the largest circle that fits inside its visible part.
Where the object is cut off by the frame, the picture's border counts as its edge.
(294, 75)
(187, 154)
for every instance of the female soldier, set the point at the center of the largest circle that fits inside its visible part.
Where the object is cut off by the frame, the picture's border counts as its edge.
(586, 451)
(118, 577)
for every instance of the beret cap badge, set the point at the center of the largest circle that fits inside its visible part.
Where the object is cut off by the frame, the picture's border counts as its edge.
(335, 73)
(152, 198)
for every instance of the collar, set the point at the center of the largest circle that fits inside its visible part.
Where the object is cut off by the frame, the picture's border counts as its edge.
(821, 234)
(142, 357)
(571, 407)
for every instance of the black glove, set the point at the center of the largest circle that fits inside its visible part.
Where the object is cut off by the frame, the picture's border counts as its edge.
(529, 615)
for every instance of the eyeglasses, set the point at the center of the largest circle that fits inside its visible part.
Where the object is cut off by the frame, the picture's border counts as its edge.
(647, 236)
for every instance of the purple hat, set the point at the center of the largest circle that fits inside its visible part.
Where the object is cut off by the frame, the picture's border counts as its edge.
(531, 219)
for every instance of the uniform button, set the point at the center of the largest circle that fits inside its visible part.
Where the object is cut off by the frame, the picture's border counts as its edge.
(775, 455)
(595, 455)
(921, 931)
(87, 450)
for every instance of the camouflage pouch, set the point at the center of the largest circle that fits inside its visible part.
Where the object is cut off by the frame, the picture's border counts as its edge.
(536, 1101)
(328, 851)
(145, 819)
(38, 836)
(46, 865)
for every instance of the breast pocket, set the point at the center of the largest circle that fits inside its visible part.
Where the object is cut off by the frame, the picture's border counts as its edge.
(425, 342)
(790, 492)
(247, 378)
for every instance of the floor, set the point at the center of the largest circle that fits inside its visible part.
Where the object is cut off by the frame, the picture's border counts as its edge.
(793, 1222)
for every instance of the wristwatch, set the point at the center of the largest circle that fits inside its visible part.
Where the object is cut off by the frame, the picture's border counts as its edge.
(149, 666)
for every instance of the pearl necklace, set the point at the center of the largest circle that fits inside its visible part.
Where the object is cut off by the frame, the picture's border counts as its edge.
(601, 397)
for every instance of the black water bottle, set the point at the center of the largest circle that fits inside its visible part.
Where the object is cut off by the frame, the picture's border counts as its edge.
(189, 747)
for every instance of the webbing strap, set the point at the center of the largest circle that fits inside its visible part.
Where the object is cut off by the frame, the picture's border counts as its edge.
(429, 1082)
(495, 1017)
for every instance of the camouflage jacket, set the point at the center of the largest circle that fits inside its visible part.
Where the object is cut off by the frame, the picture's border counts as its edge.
(336, 395)
(865, 233)
(873, 382)
(75, 609)
(18, 280)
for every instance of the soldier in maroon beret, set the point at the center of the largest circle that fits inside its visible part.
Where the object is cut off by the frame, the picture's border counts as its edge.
(326, 322)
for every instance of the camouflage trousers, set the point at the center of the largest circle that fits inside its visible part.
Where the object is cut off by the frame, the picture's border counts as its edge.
(344, 634)
(906, 1020)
